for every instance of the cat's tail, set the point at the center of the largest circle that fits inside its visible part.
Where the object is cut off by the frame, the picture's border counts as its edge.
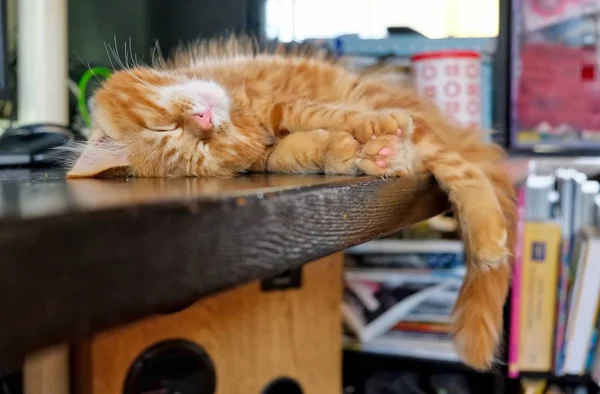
(478, 315)
(484, 199)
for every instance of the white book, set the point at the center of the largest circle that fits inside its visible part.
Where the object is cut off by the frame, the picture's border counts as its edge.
(402, 295)
(583, 310)
(406, 345)
(393, 246)
(366, 331)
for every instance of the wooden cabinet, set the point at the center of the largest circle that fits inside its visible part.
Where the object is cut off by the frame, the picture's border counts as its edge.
(251, 336)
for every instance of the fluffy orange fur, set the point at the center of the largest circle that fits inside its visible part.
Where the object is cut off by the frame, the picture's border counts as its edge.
(300, 114)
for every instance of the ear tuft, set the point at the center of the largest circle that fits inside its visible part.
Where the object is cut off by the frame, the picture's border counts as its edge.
(101, 156)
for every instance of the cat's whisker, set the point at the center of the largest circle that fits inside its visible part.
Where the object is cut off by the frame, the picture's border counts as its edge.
(116, 55)
(93, 73)
(153, 53)
(130, 72)
(161, 58)
(131, 53)
(109, 58)
(126, 57)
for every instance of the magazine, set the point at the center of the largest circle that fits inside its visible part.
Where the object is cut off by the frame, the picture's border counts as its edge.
(374, 302)
(542, 13)
(408, 254)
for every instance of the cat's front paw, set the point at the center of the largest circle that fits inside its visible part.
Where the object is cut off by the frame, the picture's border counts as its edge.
(342, 152)
(377, 123)
(388, 155)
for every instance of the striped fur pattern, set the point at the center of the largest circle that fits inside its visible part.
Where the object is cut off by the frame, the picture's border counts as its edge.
(300, 113)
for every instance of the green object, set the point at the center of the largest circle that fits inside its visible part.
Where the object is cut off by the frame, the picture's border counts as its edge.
(83, 85)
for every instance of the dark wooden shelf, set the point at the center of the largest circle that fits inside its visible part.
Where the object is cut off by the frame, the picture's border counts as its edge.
(80, 256)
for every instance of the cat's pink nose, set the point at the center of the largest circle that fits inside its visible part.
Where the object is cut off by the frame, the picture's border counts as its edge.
(203, 119)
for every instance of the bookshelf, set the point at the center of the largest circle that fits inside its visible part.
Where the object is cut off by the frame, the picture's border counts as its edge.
(527, 174)
(394, 52)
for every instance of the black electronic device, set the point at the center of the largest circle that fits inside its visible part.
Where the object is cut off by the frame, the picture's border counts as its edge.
(33, 145)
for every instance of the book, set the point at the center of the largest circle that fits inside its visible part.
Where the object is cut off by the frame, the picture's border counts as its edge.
(435, 309)
(536, 247)
(583, 310)
(375, 302)
(515, 303)
(567, 182)
(408, 254)
(429, 346)
(440, 328)
(595, 369)
(584, 194)
(539, 276)
(540, 14)
(533, 386)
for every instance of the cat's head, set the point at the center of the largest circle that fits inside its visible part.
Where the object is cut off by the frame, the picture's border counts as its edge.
(161, 123)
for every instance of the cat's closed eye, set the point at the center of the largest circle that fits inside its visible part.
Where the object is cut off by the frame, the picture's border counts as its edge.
(163, 128)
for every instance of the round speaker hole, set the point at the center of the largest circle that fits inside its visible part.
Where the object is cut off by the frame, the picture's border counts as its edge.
(172, 367)
(283, 386)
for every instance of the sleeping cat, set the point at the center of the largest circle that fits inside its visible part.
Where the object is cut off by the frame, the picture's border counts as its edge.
(221, 108)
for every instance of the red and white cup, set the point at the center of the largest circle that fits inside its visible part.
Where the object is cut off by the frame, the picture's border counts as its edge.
(452, 80)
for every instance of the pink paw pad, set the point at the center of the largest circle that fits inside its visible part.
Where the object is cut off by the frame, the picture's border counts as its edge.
(382, 163)
(385, 152)
(399, 132)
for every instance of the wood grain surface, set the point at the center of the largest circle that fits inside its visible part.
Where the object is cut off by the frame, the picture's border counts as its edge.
(252, 337)
(80, 257)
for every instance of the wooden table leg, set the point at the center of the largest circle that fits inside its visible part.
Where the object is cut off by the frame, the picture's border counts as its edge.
(47, 372)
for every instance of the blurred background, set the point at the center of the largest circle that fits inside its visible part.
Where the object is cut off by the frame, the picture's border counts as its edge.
(524, 71)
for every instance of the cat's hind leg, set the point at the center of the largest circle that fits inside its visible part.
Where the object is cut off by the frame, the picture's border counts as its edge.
(480, 195)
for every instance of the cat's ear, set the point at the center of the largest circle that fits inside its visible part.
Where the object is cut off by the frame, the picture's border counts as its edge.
(100, 156)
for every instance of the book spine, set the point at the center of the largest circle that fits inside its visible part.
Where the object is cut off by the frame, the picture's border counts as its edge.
(593, 366)
(591, 351)
(573, 298)
(584, 194)
(566, 189)
(583, 317)
(595, 370)
(538, 295)
(562, 304)
(515, 309)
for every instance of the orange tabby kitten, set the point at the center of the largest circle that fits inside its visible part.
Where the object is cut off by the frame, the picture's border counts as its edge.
(220, 109)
